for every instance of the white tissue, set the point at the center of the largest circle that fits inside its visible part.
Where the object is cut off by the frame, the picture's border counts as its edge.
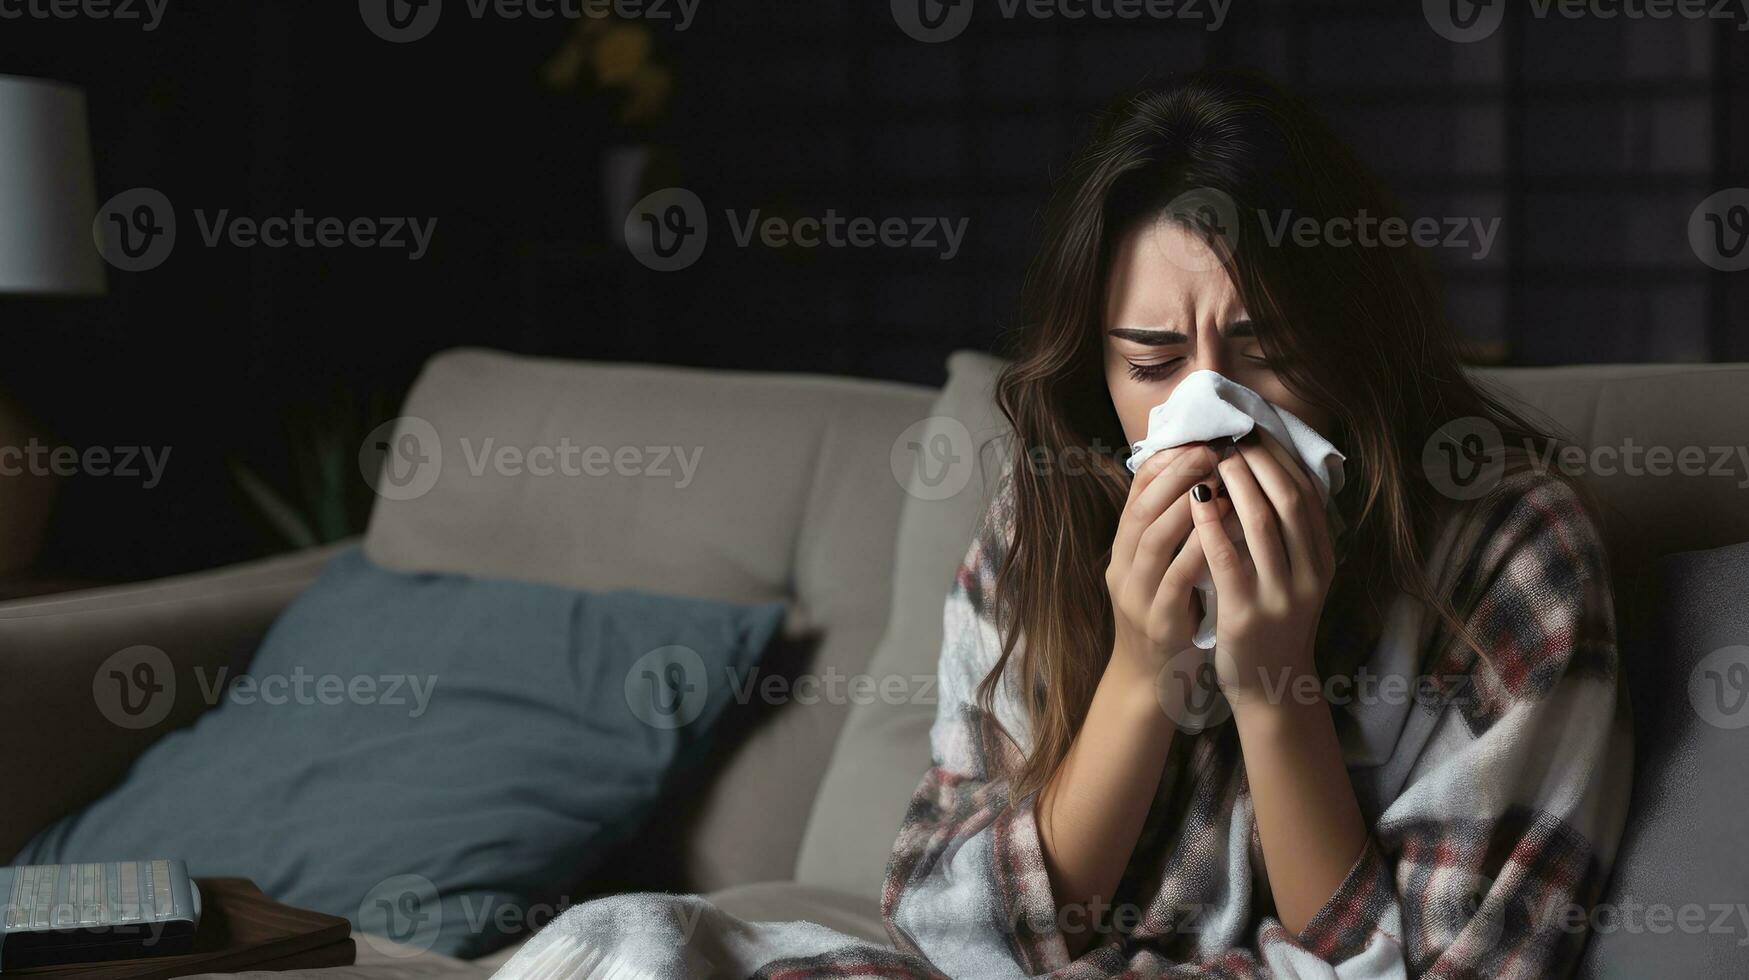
(1208, 407)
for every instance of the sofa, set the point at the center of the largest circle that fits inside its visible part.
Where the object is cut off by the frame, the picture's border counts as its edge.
(805, 493)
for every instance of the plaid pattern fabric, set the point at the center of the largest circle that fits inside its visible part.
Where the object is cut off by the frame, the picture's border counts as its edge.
(1496, 792)
(1496, 796)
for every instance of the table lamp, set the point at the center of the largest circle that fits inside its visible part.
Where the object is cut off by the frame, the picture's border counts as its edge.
(47, 205)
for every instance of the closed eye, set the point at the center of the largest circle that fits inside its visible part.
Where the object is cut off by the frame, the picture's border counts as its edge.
(1155, 372)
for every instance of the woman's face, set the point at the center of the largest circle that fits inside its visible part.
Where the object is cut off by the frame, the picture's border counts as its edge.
(1170, 310)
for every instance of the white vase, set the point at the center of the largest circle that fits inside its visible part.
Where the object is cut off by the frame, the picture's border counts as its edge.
(622, 181)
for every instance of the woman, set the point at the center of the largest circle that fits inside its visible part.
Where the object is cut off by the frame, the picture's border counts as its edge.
(1091, 810)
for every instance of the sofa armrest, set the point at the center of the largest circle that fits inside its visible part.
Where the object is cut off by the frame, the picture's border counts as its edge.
(83, 689)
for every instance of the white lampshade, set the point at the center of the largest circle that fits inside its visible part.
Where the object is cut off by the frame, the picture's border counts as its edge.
(47, 196)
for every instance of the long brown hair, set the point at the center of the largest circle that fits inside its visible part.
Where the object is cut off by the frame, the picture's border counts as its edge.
(1357, 330)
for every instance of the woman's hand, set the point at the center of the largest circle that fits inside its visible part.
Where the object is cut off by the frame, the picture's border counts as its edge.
(1271, 600)
(1308, 818)
(1156, 561)
(1091, 812)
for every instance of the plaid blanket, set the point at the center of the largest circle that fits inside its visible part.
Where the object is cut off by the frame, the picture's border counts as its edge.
(1495, 788)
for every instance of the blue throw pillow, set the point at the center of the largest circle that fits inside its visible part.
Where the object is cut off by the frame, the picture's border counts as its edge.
(435, 757)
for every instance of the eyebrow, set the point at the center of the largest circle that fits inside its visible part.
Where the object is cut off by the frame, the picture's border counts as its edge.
(1162, 338)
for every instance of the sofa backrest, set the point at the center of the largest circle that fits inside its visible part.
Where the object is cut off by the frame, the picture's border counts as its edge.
(1667, 451)
(784, 490)
(1651, 507)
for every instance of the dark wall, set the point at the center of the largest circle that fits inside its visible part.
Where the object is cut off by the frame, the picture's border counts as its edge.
(1591, 142)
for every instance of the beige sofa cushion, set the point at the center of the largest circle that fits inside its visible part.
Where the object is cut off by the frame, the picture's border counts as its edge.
(1619, 411)
(884, 749)
(793, 496)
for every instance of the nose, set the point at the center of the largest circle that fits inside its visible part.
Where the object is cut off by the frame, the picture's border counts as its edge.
(1211, 353)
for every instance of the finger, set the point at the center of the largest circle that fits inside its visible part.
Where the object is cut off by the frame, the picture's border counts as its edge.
(1230, 570)
(1288, 459)
(1258, 516)
(1302, 520)
(1164, 539)
(1166, 461)
(1324, 548)
(1185, 571)
(1176, 593)
(1145, 473)
(1168, 479)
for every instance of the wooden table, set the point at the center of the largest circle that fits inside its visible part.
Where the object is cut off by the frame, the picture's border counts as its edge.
(240, 929)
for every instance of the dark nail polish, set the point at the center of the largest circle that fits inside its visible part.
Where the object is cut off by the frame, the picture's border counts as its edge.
(1201, 494)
